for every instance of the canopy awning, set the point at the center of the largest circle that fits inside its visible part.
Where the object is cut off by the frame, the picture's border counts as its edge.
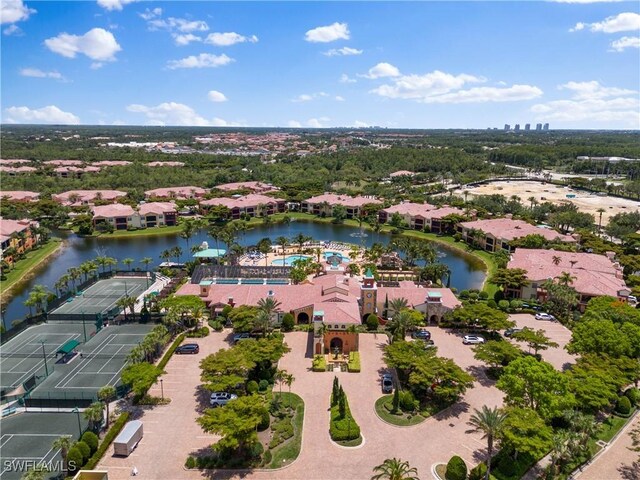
(68, 347)
(210, 253)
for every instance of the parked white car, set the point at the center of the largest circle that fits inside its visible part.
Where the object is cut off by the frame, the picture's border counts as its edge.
(472, 339)
(544, 316)
(219, 399)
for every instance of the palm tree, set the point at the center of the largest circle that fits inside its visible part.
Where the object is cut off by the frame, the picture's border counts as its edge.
(565, 278)
(62, 284)
(176, 252)
(110, 262)
(395, 469)
(262, 322)
(127, 262)
(165, 255)
(560, 451)
(146, 261)
(533, 201)
(300, 239)
(288, 380)
(35, 473)
(93, 413)
(63, 444)
(74, 274)
(269, 306)
(397, 305)
(283, 242)
(400, 324)
(556, 260)
(106, 395)
(600, 212)
(490, 422)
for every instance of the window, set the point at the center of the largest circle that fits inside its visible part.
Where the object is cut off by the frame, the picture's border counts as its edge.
(343, 326)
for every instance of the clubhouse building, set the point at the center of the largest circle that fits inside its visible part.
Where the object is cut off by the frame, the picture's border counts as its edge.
(325, 204)
(419, 216)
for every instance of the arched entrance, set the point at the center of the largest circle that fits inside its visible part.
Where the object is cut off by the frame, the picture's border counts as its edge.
(336, 344)
(303, 317)
(433, 320)
(318, 349)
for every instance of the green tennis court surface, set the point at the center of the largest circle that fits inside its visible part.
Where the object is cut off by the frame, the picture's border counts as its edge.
(27, 440)
(101, 297)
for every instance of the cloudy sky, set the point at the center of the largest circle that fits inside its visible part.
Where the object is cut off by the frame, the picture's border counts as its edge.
(572, 63)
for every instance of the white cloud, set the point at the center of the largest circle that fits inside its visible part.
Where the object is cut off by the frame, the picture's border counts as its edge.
(12, 11)
(513, 93)
(623, 22)
(204, 60)
(318, 122)
(49, 114)
(12, 30)
(421, 87)
(359, 124)
(185, 38)
(338, 98)
(97, 44)
(594, 103)
(294, 124)
(382, 69)
(344, 78)
(307, 97)
(37, 73)
(178, 24)
(329, 33)
(149, 14)
(114, 4)
(625, 42)
(228, 38)
(173, 113)
(96, 65)
(342, 51)
(216, 96)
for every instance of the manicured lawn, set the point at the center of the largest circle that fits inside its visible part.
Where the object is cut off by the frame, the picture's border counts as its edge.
(610, 427)
(401, 419)
(145, 232)
(350, 443)
(288, 451)
(22, 268)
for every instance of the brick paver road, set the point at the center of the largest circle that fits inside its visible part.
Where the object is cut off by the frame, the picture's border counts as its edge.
(167, 443)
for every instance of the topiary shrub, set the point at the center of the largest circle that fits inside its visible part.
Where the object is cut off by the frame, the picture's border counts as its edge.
(226, 311)
(623, 406)
(252, 387)
(499, 295)
(503, 305)
(74, 459)
(265, 420)
(85, 450)
(288, 322)
(633, 394)
(407, 402)
(256, 450)
(263, 385)
(373, 322)
(190, 463)
(456, 469)
(492, 303)
(515, 304)
(266, 458)
(464, 294)
(483, 295)
(90, 439)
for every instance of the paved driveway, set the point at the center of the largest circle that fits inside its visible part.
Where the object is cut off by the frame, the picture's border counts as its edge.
(558, 357)
(173, 433)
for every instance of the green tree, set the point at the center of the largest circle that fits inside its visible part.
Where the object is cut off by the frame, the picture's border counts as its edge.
(236, 423)
(243, 318)
(560, 299)
(489, 421)
(107, 394)
(524, 431)
(35, 473)
(339, 213)
(127, 262)
(63, 444)
(402, 322)
(497, 353)
(456, 469)
(395, 469)
(605, 337)
(481, 315)
(526, 383)
(140, 377)
(93, 414)
(536, 340)
(396, 305)
(510, 278)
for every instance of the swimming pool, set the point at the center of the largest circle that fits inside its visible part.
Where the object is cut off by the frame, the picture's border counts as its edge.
(288, 261)
(343, 258)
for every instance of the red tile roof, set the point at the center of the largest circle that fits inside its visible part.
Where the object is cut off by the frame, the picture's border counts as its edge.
(20, 196)
(157, 208)
(9, 227)
(509, 229)
(176, 192)
(252, 200)
(113, 210)
(87, 196)
(345, 200)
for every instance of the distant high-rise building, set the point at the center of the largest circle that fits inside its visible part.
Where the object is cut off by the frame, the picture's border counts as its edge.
(517, 127)
(538, 127)
(527, 127)
(546, 126)
(507, 127)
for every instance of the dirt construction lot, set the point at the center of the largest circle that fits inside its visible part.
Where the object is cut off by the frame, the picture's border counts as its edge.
(556, 194)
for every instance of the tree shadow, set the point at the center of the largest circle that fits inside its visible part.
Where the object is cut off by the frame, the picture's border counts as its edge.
(630, 472)
(309, 351)
(480, 455)
(567, 366)
(480, 375)
(454, 411)
(202, 399)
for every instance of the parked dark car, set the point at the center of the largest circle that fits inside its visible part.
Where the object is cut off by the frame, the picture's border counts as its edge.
(510, 331)
(242, 336)
(387, 383)
(192, 348)
(421, 334)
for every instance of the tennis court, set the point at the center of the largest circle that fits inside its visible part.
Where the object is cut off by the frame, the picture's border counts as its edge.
(100, 298)
(27, 439)
(23, 356)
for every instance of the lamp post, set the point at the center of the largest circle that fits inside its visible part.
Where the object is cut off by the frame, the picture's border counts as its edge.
(161, 389)
(44, 356)
(77, 412)
(84, 326)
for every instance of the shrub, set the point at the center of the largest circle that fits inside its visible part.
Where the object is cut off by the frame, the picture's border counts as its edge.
(354, 362)
(266, 458)
(516, 304)
(499, 295)
(190, 463)
(507, 466)
(478, 472)
(503, 305)
(265, 420)
(456, 469)
(407, 401)
(256, 450)
(85, 450)
(165, 359)
(464, 294)
(90, 439)
(74, 459)
(199, 333)
(226, 310)
(263, 385)
(492, 303)
(483, 295)
(319, 364)
(623, 406)
(474, 296)
(252, 386)
(288, 322)
(633, 394)
(372, 322)
(106, 441)
(216, 325)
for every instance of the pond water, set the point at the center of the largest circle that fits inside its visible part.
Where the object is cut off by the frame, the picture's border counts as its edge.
(466, 272)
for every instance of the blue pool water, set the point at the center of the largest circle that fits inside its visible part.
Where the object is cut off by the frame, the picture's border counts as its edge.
(343, 258)
(288, 261)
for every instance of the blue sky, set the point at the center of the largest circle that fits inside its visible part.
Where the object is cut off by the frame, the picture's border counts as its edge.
(572, 63)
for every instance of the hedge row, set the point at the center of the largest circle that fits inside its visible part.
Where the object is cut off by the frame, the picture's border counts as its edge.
(106, 441)
(319, 364)
(167, 356)
(354, 362)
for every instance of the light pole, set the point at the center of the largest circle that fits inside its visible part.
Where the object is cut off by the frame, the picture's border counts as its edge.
(84, 326)
(161, 389)
(77, 412)
(44, 356)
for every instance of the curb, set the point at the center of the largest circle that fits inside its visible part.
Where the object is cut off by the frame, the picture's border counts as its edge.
(433, 470)
(350, 448)
(393, 424)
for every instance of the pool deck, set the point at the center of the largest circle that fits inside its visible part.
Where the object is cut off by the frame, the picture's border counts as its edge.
(292, 250)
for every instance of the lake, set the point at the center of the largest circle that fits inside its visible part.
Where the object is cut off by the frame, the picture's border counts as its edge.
(466, 272)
